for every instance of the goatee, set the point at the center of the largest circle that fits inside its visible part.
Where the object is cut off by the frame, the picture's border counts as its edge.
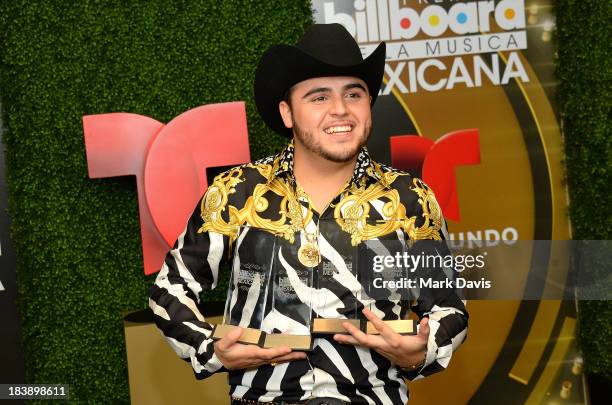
(339, 156)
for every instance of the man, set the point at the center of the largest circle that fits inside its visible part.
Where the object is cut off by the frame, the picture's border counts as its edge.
(319, 93)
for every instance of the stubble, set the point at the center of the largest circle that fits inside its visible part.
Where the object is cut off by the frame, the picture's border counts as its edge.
(343, 155)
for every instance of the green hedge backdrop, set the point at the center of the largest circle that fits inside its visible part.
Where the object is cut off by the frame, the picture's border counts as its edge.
(584, 71)
(78, 240)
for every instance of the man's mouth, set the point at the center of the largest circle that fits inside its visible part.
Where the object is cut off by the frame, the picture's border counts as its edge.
(338, 129)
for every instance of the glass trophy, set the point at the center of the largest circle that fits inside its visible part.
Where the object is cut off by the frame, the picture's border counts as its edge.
(269, 292)
(288, 321)
(384, 268)
(249, 284)
(336, 298)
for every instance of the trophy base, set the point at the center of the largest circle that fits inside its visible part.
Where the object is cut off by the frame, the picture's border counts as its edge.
(295, 342)
(325, 326)
(265, 340)
(249, 336)
(401, 326)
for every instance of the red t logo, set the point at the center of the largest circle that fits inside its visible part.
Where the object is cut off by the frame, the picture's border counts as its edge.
(169, 162)
(438, 161)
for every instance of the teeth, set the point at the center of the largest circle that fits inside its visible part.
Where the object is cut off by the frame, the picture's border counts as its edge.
(344, 128)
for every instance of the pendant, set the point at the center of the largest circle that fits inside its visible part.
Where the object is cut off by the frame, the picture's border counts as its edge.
(308, 254)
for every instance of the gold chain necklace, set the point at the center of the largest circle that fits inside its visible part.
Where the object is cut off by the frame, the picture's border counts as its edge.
(308, 253)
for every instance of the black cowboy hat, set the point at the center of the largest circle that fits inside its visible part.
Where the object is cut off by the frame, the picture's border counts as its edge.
(323, 50)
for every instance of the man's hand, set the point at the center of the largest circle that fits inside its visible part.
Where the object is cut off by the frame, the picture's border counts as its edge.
(404, 351)
(234, 355)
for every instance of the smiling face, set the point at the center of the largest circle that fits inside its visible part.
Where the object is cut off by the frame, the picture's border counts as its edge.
(330, 116)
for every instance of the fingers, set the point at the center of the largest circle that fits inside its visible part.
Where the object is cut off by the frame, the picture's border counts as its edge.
(350, 340)
(384, 329)
(391, 337)
(289, 357)
(252, 356)
(346, 339)
(424, 327)
(231, 338)
(267, 355)
(361, 338)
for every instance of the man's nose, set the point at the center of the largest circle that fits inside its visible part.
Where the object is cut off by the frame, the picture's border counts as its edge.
(338, 106)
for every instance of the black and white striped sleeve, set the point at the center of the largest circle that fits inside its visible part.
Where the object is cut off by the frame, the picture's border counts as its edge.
(448, 317)
(191, 267)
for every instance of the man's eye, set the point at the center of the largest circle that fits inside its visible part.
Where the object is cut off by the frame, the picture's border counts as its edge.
(319, 99)
(354, 95)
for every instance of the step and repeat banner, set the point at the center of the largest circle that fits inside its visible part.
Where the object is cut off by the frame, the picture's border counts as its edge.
(11, 359)
(468, 104)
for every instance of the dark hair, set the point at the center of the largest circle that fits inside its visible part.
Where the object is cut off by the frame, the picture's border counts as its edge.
(287, 95)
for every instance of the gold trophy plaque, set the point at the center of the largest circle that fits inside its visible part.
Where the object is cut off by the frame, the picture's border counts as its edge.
(295, 342)
(248, 337)
(401, 326)
(326, 326)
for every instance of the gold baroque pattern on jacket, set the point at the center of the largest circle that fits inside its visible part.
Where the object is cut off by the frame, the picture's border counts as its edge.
(291, 219)
(215, 201)
(432, 214)
(351, 212)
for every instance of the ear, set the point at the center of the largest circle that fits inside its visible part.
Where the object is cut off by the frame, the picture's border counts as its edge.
(285, 112)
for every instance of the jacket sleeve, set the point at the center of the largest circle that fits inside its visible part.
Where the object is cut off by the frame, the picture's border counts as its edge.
(192, 266)
(448, 317)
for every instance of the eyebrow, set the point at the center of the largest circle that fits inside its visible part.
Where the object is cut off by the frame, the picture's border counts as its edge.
(327, 89)
(354, 86)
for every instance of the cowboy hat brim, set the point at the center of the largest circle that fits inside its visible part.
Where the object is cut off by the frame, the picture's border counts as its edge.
(282, 66)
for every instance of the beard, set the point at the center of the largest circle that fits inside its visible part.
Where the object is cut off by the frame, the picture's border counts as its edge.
(340, 155)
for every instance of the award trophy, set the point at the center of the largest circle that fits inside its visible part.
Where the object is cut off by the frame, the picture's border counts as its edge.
(384, 268)
(288, 322)
(249, 283)
(269, 292)
(337, 282)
